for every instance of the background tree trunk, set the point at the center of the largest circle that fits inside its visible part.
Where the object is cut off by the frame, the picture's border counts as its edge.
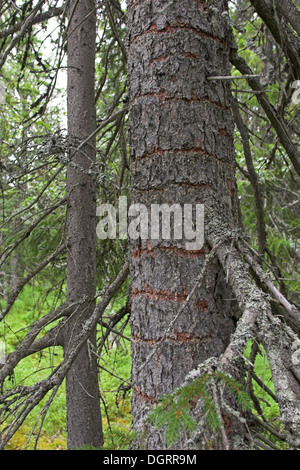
(83, 401)
(181, 135)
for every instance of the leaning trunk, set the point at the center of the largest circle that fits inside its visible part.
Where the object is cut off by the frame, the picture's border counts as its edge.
(181, 134)
(83, 402)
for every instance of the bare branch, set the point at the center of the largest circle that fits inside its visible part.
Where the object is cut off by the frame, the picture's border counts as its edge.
(289, 11)
(261, 229)
(27, 24)
(276, 121)
(257, 321)
(7, 251)
(51, 13)
(36, 392)
(283, 36)
(115, 31)
(292, 314)
(24, 281)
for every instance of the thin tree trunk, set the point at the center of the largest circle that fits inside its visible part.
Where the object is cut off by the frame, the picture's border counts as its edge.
(83, 400)
(181, 136)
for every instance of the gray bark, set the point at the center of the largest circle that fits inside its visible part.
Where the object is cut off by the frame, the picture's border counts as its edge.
(83, 400)
(181, 130)
(289, 11)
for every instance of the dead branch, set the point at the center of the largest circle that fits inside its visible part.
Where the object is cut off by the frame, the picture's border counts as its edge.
(51, 13)
(257, 321)
(291, 313)
(276, 121)
(261, 229)
(23, 399)
(288, 10)
(23, 282)
(115, 31)
(281, 33)
(27, 24)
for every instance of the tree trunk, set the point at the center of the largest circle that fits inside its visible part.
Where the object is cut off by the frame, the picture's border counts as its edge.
(83, 400)
(181, 137)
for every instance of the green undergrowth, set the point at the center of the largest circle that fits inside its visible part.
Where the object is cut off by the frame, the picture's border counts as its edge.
(114, 376)
(268, 405)
(114, 367)
(174, 411)
(267, 409)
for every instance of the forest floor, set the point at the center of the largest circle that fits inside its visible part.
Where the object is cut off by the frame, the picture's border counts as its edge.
(115, 364)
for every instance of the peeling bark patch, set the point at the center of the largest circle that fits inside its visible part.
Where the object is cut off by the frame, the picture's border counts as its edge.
(161, 58)
(190, 55)
(171, 29)
(231, 187)
(225, 108)
(200, 3)
(185, 336)
(160, 295)
(138, 252)
(180, 337)
(225, 134)
(202, 305)
(227, 424)
(143, 397)
(193, 150)
(162, 95)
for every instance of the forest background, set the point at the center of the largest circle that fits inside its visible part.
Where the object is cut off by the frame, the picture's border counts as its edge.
(34, 155)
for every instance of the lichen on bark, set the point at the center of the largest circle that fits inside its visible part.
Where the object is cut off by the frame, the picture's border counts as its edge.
(182, 151)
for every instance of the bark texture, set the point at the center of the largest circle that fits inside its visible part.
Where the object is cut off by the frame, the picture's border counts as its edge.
(181, 136)
(83, 401)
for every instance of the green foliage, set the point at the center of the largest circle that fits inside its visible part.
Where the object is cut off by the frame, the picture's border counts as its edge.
(114, 374)
(268, 405)
(265, 406)
(174, 411)
(32, 116)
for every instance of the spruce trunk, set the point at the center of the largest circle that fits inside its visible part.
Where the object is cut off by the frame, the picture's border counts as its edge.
(83, 401)
(181, 139)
